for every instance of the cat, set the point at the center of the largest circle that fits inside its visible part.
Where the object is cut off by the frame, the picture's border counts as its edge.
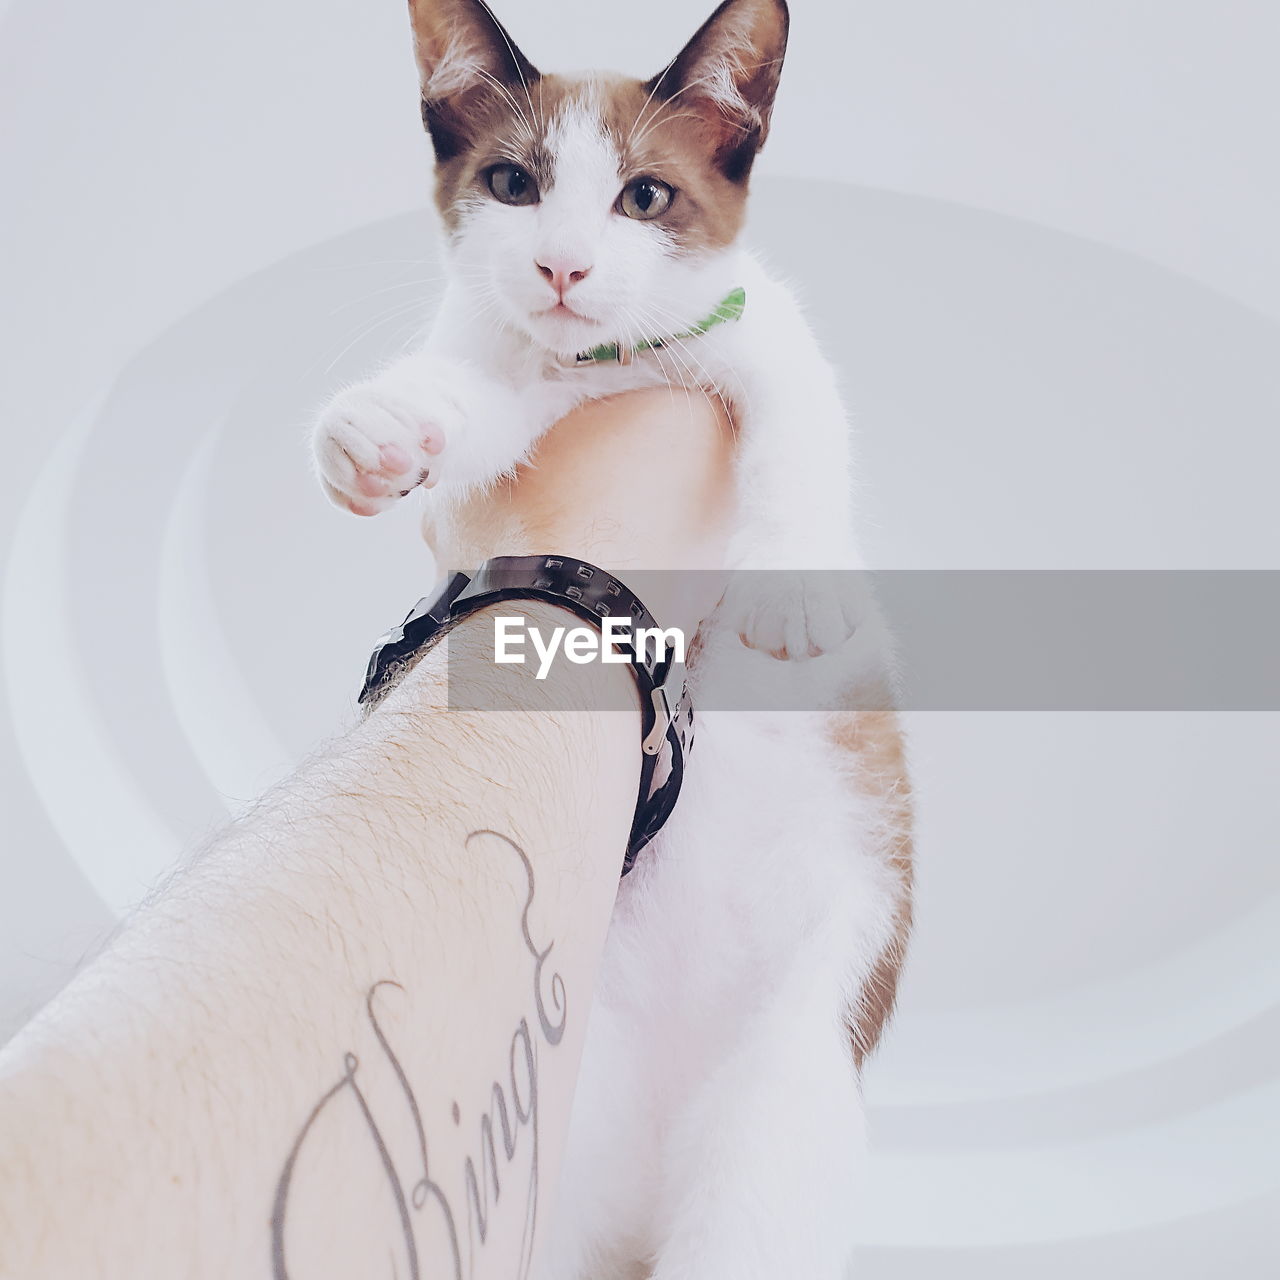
(753, 953)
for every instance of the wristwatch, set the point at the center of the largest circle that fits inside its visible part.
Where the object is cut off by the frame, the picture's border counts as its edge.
(594, 595)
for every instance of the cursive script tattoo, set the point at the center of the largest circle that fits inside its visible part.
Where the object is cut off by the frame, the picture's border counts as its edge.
(506, 1128)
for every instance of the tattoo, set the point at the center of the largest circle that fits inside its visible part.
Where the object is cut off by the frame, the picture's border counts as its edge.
(511, 1115)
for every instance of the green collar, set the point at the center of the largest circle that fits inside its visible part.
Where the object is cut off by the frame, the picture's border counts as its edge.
(615, 353)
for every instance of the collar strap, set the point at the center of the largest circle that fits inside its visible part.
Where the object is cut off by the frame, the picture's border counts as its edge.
(615, 353)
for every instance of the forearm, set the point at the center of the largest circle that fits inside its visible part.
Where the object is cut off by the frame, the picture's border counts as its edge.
(410, 923)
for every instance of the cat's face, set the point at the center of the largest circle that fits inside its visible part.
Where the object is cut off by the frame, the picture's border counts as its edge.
(586, 210)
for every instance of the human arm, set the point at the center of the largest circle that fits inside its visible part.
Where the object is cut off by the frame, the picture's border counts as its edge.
(258, 1076)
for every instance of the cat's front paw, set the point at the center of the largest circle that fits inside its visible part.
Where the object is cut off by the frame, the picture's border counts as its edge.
(374, 447)
(792, 615)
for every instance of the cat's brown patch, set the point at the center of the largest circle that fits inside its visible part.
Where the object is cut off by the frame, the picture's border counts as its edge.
(872, 740)
(653, 137)
(696, 126)
(662, 138)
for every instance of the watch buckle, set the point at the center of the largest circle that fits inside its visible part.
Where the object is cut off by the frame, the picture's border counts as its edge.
(665, 709)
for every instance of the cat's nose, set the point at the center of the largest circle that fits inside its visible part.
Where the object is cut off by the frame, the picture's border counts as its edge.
(562, 273)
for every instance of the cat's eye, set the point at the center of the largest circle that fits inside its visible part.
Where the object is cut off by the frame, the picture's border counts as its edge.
(512, 185)
(645, 198)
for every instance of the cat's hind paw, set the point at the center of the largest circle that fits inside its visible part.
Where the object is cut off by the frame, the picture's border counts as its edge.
(792, 616)
(373, 449)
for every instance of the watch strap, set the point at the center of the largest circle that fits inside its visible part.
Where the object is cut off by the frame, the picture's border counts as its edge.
(593, 595)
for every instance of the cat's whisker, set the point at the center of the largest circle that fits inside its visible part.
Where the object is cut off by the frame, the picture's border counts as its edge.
(656, 352)
(365, 264)
(390, 313)
(522, 118)
(393, 313)
(490, 308)
(712, 78)
(707, 381)
(491, 311)
(662, 368)
(659, 120)
(375, 293)
(690, 380)
(516, 59)
(657, 84)
(413, 337)
(681, 351)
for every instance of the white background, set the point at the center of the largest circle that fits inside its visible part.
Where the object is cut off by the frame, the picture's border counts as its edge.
(1043, 250)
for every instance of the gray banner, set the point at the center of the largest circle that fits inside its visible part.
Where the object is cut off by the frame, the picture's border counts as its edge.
(996, 641)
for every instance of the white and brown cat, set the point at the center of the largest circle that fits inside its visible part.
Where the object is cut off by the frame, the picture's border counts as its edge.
(753, 953)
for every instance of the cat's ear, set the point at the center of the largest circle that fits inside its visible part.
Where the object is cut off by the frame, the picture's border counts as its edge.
(464, 57)
(729, 73)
